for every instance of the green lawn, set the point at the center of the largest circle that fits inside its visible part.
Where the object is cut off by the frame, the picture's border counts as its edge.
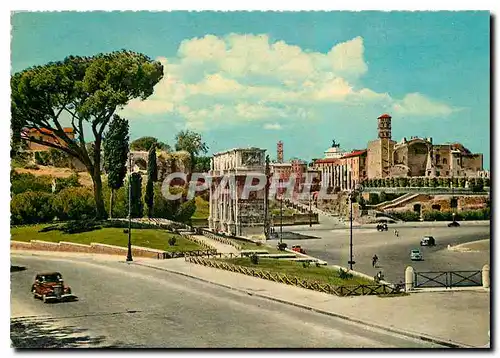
(153, 238)
(202, 209)
(247, 245)
(295, 269)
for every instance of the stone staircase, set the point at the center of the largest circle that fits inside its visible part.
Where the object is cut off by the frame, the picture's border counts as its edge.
(395, 202)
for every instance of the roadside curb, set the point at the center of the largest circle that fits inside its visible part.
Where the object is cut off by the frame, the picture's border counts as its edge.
(414, 335)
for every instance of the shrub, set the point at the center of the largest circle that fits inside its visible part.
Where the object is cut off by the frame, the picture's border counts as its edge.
(172, 241)
(21, 182)
(77, 226)
(373, 199)
(69, 182)
(74, 204)
(306, 264)
(254, 259)
(405, 215)
(42, 158)
(31, 207)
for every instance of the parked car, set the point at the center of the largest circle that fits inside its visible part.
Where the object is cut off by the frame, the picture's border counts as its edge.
(428, 241)
(454, 224)
(281, 246)
(416, 255)
(298, 248)
(49, 286)
(382, 227)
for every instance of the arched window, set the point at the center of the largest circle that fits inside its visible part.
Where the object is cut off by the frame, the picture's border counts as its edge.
(445, 161)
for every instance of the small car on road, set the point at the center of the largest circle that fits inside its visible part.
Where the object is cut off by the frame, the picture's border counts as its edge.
(49, 286)
(298, 248)
(453, 224)
(428, 241)
(416, 255)
(382, 227)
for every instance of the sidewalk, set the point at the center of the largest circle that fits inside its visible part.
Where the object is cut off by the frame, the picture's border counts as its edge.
(220, 247)
(454, 318)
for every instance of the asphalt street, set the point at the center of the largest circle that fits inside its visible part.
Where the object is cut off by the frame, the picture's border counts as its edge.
(393, 252)
(122, 305)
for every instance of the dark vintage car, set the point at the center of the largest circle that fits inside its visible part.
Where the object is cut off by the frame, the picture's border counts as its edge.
(382, 227)
(428, 241)
(453, 224)
(49, 286)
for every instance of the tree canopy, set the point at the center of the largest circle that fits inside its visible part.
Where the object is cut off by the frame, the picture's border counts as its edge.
(192, 143)
(115, 155)
(145, 144)
(84, 92)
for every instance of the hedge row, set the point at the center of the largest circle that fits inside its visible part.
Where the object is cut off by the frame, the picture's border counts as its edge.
(436, 215)
(477, 184)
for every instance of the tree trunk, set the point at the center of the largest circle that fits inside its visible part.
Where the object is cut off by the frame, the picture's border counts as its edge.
(111, 202)
(96, 178)
(99, 202)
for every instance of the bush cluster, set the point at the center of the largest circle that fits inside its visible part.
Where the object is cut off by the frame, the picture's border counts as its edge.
(405, 215)
(435, 215)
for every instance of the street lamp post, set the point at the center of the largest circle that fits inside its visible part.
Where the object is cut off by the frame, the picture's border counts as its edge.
(310, 220)
(351, 262)
(281, 218)
(352, 192)
(129, 251)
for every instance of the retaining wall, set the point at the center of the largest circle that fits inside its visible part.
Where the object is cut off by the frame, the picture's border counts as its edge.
(93, 248)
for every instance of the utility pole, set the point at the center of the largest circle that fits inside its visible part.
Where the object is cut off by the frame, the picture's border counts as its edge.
(310, 220)
(129, 251)
(352, 192)
(281, 219)
(351, 262)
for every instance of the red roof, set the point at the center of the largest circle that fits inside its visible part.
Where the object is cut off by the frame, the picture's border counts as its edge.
(327, 160)
(48, 131)
(355, 153)
(385, 115)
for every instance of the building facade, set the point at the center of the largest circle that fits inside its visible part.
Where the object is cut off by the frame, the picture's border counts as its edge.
(47, 136)
(416, 157)
(229, 212)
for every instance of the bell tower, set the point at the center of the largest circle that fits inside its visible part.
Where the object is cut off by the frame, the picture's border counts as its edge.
(279, 150)
(384, 126)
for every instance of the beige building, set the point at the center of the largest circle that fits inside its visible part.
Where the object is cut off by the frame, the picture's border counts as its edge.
(229, 212)
(418, 156)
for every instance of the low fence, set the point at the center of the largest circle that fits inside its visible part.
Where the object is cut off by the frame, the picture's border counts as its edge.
(355, 290)
(447, 279)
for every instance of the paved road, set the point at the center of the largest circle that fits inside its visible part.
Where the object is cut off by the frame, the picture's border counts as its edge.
(131, 306)
(394, 253)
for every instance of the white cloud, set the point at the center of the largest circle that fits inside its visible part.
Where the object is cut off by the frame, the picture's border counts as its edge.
(272, 126)
(419, 105)
(239, 78)
(347, 58)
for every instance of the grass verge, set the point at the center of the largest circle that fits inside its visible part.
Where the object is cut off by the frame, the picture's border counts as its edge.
(294, 269)
(152, 238)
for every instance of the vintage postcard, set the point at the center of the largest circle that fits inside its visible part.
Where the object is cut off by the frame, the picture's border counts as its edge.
(250, 179)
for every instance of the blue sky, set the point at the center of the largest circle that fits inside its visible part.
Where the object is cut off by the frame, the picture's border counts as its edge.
(253, 78)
